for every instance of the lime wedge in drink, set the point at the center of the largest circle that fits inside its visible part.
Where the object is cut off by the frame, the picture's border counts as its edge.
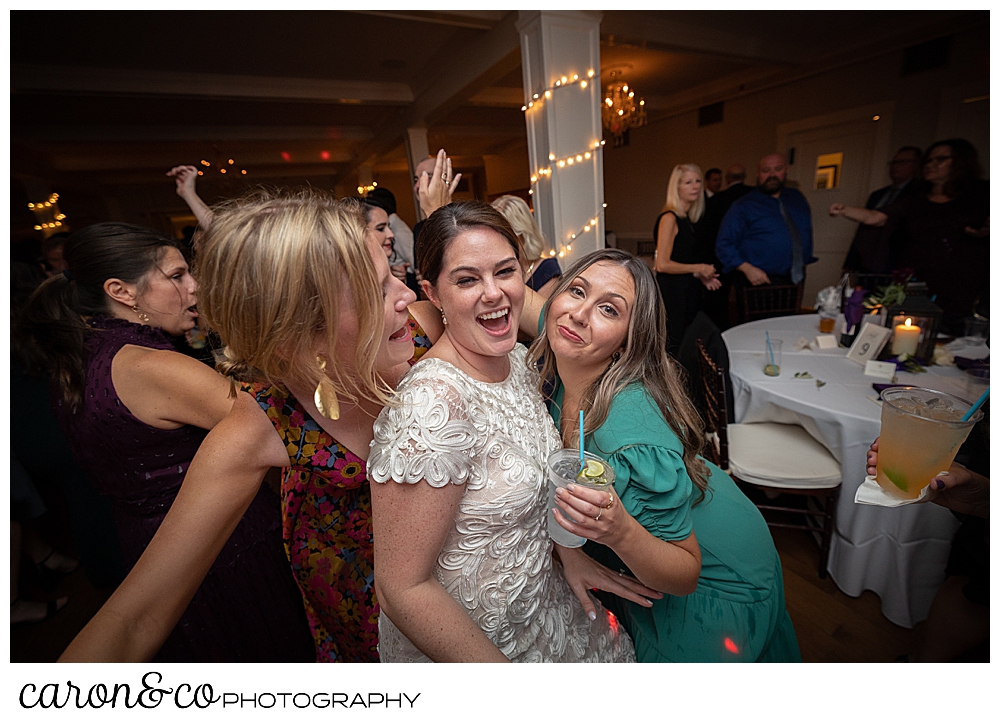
(592, 472)
(896, 478)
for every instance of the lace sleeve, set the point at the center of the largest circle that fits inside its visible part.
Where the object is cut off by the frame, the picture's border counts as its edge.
(428, 435)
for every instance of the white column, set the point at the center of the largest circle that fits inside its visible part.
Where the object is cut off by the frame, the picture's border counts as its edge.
(416, 151)
(561, 67)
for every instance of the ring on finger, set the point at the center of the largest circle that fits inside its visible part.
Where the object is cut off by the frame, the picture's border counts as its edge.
(611, 501)
(601, 510)
(444, 177)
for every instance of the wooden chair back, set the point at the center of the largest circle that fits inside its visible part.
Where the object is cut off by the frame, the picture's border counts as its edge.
(713, 388)
(765, 302)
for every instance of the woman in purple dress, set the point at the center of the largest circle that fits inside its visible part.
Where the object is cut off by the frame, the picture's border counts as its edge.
(135, 411)
(317, 330)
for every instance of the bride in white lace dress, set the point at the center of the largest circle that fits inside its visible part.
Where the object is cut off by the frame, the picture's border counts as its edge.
(464, 569)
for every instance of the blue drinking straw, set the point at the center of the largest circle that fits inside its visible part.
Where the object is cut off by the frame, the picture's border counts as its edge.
(975, 407)
(770, 351)
(582, 463)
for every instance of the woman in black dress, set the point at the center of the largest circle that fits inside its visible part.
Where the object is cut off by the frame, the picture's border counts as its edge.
(681, 268)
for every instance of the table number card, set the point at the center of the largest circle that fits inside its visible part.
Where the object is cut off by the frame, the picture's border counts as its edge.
(881, 370)
(868, 343)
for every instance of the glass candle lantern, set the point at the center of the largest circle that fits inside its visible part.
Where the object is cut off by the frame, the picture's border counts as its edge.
(915, 324)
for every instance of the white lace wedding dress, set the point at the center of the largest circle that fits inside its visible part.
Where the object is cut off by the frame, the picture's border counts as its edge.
(497, 559)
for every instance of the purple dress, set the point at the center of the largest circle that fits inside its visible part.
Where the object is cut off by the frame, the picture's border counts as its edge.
(248, 608)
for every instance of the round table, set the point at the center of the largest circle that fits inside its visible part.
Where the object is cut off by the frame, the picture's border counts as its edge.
(899, 553)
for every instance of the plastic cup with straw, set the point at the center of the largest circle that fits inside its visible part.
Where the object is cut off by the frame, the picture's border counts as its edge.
(975, 407)
(773, 368)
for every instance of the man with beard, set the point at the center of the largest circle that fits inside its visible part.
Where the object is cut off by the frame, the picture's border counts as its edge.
(767, 234)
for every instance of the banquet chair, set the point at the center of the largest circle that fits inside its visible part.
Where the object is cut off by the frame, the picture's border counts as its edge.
(704, 329)
(765, 302)
(776, 459)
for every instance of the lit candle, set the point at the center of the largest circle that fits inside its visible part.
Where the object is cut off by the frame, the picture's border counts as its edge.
(904, 341)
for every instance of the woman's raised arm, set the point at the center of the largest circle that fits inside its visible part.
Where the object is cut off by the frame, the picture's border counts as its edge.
(186, 177)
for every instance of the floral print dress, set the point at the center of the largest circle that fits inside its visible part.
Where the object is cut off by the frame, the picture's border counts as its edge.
(326, 525)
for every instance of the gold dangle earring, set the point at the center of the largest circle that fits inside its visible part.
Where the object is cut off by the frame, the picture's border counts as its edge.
(143, 316)
(325, 395)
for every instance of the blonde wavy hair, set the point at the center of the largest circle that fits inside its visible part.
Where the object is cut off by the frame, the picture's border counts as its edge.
(673, 202)
(643, 360)
(516, 211)
(271, 270)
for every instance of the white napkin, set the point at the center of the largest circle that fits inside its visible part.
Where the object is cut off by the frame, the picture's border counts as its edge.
(869, 493)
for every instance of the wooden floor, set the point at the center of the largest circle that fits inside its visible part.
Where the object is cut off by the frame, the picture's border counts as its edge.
(832, 627)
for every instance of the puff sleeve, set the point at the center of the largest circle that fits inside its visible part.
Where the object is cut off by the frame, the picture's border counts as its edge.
(647, 456)
(428, 434)
(655, 488)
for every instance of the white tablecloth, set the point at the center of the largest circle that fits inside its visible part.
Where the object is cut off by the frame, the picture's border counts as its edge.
(898, 553)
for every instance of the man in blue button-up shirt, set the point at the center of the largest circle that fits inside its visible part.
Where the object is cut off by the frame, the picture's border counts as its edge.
(767, 234)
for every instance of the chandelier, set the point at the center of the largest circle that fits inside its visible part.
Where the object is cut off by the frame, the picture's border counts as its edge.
(619, 112)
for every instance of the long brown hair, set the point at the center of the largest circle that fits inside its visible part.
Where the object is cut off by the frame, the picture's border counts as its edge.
(52, 329)
(644, 360)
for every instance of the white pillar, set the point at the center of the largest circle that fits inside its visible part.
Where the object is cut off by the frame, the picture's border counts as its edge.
(561, 67)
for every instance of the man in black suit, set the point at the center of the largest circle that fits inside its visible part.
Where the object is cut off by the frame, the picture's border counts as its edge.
(870, 251)
(716, 304)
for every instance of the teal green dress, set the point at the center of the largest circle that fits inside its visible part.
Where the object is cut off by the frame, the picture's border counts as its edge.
(737, 613)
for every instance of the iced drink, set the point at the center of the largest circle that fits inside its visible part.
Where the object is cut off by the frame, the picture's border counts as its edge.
(921, 433)
(564, 469)
(772, 357)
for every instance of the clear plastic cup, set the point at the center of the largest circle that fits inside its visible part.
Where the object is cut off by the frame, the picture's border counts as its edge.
(772, 357)
(977, 330)
(564, 468)
(921, 433)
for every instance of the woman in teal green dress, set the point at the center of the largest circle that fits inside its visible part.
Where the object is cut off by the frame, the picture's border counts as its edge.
(673, 521)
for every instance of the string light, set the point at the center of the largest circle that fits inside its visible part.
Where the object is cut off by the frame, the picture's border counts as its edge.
(538, 99)
(563, 82)
(365, 190)
(47, 214)
(592, 224)
(569, 160)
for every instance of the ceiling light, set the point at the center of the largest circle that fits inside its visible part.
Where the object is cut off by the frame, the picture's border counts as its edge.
(620, 112)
